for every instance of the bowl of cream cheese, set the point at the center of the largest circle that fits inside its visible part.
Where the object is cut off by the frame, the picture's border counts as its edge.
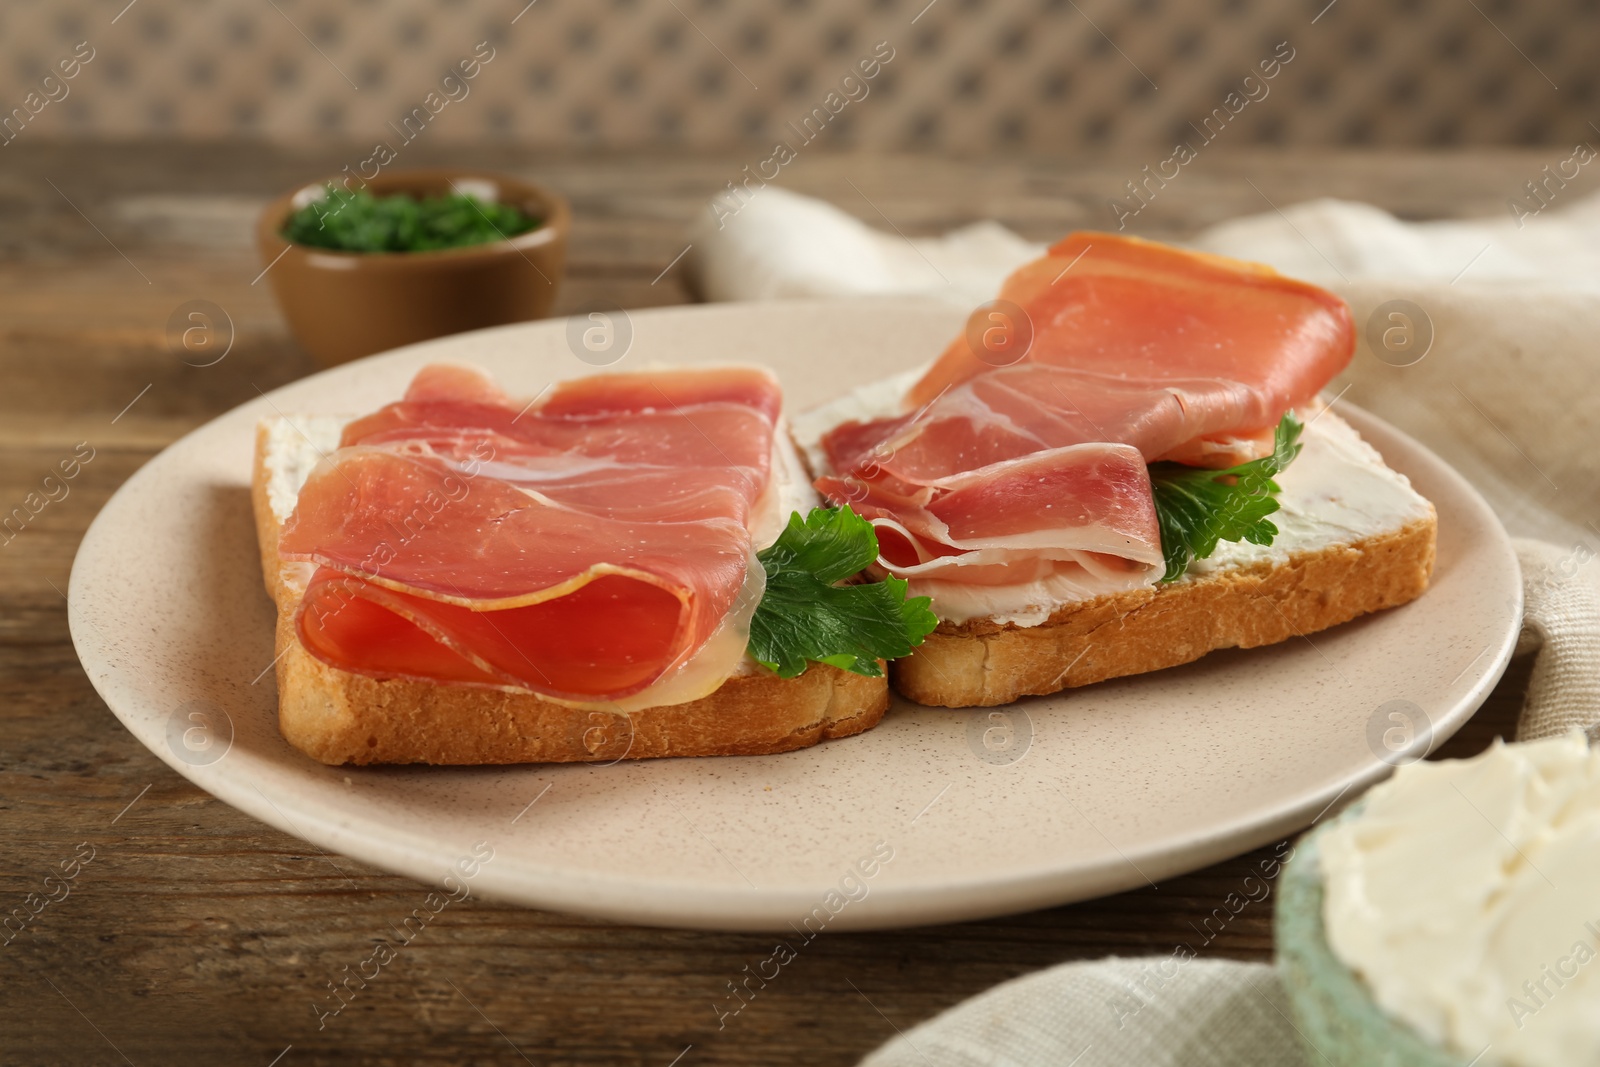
(1453, 916)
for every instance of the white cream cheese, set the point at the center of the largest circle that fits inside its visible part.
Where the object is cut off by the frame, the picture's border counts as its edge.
(1466, 895)
(1337, 491)
(294, 446)
(881, 399)
(788, 491)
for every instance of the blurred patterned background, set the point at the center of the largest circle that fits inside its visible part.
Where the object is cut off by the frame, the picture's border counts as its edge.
(966, 75)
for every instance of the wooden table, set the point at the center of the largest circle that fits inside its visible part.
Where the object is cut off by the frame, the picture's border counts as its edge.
(197, 935)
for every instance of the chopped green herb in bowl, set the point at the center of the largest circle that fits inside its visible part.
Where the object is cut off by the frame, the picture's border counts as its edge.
(399, 222)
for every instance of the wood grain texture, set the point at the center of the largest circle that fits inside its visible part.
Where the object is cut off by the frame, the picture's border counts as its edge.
(196, 935)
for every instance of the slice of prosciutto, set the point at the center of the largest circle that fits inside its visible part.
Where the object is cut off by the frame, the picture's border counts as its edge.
(590, 546)
(1010, 465)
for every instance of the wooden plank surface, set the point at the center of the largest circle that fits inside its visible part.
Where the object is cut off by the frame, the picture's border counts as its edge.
(197, 935)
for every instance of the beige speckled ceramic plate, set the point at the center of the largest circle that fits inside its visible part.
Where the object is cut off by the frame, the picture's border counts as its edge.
(980, 812)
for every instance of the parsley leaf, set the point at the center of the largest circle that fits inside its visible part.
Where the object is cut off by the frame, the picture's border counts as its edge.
(360, 222)
(1196, 508)
(804, 616)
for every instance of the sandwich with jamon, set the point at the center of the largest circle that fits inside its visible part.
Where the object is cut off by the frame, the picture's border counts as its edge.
(1121, 465)
(627, 566)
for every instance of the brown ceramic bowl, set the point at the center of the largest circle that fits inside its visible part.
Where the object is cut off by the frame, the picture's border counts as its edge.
(343, 305)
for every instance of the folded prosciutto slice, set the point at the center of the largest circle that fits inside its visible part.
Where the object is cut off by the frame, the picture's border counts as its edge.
(591, 546)
(1024, 461)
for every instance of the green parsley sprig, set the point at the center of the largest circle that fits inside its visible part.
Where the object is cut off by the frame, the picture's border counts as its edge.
(805, 615)
(1197, 508)
(360, 222)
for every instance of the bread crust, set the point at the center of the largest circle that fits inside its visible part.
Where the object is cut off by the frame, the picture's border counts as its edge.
(982, 663)
(339, 717)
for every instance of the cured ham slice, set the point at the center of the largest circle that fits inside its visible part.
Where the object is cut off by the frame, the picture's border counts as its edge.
(1221, 348)
(454, 382)
(989, 520)
(1083, 515)
(1027, 466)
(1014, 411)
(585, 546)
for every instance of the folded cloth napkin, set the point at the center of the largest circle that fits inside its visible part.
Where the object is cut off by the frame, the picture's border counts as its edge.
(782, 244)
(1505, 391)
(1561, 622)
(1336, 240)
(1158, 1012)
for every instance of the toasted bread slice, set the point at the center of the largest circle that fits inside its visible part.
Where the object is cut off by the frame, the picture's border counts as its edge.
(1355, 538)
(980, 663)
(336, 716)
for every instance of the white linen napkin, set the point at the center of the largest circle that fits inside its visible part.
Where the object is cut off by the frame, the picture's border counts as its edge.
(1506, 392)
(1561, 622)
(1114, 1012)
(782, 244)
